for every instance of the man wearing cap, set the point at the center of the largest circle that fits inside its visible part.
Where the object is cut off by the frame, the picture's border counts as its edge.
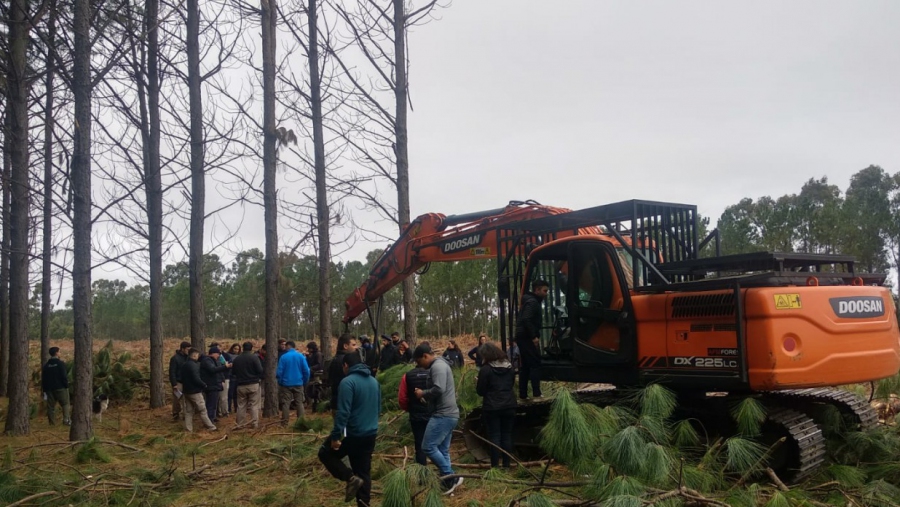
(389, 355)
(438, 432)
(212, 374)
(292, 374)
(175, 363)
(55, 384)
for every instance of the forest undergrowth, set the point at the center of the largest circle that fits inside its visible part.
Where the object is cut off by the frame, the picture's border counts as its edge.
(632, 453)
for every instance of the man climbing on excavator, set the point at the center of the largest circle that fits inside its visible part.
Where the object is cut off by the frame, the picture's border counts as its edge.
(528, 338)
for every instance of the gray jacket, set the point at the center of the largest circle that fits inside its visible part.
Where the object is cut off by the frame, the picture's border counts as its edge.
(443, 390)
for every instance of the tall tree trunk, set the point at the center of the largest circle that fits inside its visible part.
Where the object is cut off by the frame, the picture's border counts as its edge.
(4, 261)
(268, 13)
(401, 152)
(322, 208)
(153, 189)
(47, 267)
(198, 185)
(17, 422)
(81, 224)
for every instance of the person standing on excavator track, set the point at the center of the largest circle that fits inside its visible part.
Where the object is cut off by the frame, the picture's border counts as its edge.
(528, 338)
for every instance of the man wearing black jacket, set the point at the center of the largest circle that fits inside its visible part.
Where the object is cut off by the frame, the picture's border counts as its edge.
(55, 385)
(175, 363)
(193, 392)
(346, 344)
(247, 371)
(389, 356)
(528, 338)
(213, 375)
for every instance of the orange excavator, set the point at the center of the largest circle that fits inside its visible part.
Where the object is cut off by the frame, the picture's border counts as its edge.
(636, 297)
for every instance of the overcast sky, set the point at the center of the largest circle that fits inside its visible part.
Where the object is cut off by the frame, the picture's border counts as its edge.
(580, 103)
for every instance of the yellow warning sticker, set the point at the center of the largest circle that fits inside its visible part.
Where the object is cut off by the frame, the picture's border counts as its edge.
(477, 252)
(787, 301)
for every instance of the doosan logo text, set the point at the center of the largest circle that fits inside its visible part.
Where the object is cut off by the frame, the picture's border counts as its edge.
(858, 307)
(462, 243)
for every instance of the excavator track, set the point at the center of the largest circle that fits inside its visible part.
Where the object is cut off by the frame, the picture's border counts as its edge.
(804, 448)
(851, 406)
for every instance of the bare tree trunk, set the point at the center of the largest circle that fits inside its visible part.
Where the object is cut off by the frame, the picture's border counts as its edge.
(153, 188)
(4, 263)
(401, 152)
(322, 207)
(198, 185)
(268, 14)
(81, 223)
(17, 422)
(47, 267)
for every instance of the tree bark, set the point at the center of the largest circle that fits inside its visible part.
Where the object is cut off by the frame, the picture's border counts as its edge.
(47, 267)
(17, 420)
(4, 262)
(81, 223)
(198, 185)
(268, 13)
(322, 207)
(401, 151)
(154, 192)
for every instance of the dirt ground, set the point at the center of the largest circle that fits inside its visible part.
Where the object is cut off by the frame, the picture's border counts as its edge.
(143, 457)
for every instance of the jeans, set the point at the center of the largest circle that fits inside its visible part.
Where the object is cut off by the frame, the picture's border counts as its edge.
(436, 441)
(529, 372)
(500, 428)
(212, 404)
(359, 450)
(418, 429)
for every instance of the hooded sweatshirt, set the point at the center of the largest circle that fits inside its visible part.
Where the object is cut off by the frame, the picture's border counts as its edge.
(443, 389)
(495, 385)
(53, 376)
(359, 404)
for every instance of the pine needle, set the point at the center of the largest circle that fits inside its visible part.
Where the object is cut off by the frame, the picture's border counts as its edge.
(742, 454)
(684, 434)
(656, 401)
(778, 500)
(654, 428)
(658, 463)
(702, 480)
(848, 476)
(396, 492)
(433, 498)
(539, 500)
(626, 451)
(622, 486)
(749, 414)
(567, 434)
(623, 501)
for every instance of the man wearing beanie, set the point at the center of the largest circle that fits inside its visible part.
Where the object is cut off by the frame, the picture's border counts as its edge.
(211, 372)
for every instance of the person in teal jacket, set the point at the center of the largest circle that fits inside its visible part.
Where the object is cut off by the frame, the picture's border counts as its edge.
(292, 374)
(354, 431)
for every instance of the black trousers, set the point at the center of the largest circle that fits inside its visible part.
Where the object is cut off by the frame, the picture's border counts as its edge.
(500, 429)
(418, 429)
(212, 403)
(529, 372)
(359, 450)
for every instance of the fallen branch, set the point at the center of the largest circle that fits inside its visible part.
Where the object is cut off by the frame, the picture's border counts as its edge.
(483, 466)
(32, 497)
(213, 441)
(524, 483)
(776, 480)
(270, 453)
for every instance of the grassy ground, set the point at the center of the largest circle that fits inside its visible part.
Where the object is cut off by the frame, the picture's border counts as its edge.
(142, 457)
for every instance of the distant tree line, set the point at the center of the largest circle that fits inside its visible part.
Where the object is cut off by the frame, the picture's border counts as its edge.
(453, 299)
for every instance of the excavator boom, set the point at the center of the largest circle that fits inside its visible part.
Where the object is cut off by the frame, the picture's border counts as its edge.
(434, 237)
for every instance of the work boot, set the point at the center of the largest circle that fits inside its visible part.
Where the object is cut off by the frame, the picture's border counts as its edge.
(353, 486)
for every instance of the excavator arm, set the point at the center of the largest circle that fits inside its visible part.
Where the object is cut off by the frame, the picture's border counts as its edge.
(434, 237)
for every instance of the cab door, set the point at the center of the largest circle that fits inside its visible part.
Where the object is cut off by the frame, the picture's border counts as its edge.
(599, 306)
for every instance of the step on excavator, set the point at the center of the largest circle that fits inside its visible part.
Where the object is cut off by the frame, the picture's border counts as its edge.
(637, 297)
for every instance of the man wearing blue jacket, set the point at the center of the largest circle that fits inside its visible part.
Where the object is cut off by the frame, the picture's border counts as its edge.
(292, 375)
(355, 429)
